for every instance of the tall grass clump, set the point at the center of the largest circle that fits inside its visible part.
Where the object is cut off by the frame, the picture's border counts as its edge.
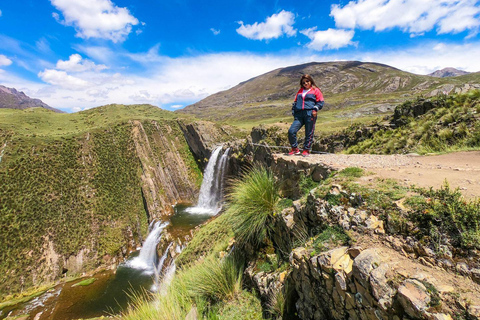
(214, 280)
(252, 203)
(207, 285)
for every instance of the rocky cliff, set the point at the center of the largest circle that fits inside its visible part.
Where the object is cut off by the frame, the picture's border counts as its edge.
(378, 273)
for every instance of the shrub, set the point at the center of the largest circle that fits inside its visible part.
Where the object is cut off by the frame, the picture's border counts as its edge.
(251, 205)
(445, 216)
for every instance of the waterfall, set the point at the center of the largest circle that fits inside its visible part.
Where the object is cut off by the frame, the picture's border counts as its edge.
(211, 191)
(147, 259)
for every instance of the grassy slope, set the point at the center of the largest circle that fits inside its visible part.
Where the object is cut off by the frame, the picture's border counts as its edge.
(62, 176)
(453, 124)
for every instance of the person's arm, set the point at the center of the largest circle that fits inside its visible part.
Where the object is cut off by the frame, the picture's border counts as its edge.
(319, 100)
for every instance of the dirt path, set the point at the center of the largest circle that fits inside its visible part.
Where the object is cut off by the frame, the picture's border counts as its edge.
(460, 169)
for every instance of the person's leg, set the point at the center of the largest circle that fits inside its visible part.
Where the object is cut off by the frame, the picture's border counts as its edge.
(310, 121)
(292, 132)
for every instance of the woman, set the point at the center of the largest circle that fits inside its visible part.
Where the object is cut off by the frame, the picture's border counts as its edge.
(308, 100)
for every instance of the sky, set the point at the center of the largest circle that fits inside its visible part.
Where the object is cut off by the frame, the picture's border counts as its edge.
(79, 54)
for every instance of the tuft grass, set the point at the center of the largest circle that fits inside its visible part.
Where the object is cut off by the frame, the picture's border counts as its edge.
(252, 203)
(450, 124)
(330, 237)
(214, 280)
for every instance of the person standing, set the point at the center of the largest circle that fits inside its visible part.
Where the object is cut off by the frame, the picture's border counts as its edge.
(308, 100)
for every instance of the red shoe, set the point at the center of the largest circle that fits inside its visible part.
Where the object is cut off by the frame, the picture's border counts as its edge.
(294, 151)
(306, 153)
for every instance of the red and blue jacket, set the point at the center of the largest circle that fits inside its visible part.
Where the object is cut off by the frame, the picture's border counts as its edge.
(313, 100)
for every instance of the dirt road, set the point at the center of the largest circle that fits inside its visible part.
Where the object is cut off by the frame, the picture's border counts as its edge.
(460, 169)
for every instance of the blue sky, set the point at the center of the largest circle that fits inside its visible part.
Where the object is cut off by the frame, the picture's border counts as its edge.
(76, 55)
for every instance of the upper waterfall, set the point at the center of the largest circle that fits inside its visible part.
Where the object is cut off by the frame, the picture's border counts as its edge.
(211, 191)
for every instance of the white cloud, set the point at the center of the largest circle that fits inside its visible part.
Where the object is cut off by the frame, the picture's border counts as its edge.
(273, 27)
(4, 61)
(0, 13)
(414, 16)
(96, 18)
(77, 64)
(328, 39)
(63, 80)
(169, 82)
(215, 31)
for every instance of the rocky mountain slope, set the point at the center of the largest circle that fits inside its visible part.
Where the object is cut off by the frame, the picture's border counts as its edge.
(448, 72)
(13, 99)
(358, 88)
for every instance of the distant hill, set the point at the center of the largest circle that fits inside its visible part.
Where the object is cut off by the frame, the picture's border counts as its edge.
(351, 89)
(448, 72)
(13, 99)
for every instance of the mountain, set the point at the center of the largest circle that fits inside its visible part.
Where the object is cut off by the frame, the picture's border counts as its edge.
(448, 72)
(350, 88)
(13, 99)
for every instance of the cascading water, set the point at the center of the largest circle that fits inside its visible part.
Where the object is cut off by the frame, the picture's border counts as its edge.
(147, 258)
(211, 191)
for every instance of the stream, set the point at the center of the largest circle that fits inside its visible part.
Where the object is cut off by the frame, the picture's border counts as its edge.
(112, 290)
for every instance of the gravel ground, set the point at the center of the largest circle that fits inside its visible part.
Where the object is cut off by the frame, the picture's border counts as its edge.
(460, 169)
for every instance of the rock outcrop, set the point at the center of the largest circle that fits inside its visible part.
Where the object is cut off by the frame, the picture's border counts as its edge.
(166, 177)
(382, 275)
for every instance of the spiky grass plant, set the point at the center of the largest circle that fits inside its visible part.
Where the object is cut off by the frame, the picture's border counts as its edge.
(252, 203)
(214, 280)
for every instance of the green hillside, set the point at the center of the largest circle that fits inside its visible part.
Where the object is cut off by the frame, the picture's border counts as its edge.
(71, 186)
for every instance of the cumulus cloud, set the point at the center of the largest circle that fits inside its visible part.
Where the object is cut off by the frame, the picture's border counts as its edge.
(77, 64)
(95, 18)
(4, 61)
(414, 16)
(273, 27)
(328, 39)
(215, 31)
(63, 80)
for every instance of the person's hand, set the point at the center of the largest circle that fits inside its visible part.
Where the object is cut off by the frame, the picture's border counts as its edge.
(314, 113)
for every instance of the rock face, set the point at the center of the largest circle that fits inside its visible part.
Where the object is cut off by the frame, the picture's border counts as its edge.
(13, 99)
(380, 276)
(166, 178)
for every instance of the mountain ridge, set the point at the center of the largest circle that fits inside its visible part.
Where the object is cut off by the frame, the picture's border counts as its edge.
(448, 72)
(11, 98)
(366, 87)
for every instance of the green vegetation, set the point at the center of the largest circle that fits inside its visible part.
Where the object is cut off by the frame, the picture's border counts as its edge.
(252, 204)
(85, 282)
(451, 123)
(331, 237)
(209, 239)
(444, 216)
